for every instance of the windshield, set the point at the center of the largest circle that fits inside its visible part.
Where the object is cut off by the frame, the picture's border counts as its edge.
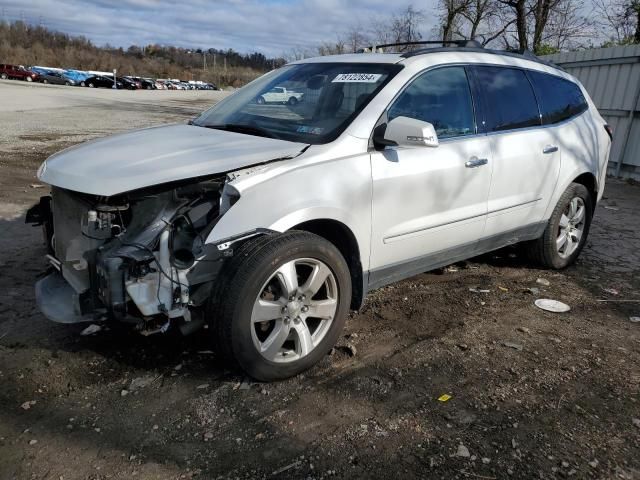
(309, 103)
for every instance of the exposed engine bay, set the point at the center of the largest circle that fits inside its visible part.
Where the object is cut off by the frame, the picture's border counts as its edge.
(137, 257)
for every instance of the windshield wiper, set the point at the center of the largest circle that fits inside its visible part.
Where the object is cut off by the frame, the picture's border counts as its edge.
(240, 128)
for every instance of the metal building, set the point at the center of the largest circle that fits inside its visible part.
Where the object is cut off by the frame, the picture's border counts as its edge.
(612, 78)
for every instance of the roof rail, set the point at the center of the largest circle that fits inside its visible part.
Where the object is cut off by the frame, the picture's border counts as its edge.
(457, 43)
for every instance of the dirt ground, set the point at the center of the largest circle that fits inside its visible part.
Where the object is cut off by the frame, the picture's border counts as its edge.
(533, 394)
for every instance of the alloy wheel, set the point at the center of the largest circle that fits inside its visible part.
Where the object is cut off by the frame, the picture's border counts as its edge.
(294, 310)
(571, 227)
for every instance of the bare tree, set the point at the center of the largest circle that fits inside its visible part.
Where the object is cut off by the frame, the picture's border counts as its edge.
(355, 38)
(401, 27)
(452, 11)
(519, 10)
(567, 26)
(482, 21)
(619, 19)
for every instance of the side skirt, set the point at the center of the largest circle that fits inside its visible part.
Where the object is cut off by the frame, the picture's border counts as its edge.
(399, 271)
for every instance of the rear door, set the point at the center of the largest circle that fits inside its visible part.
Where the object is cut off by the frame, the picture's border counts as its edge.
(526, 158)
(429, 204)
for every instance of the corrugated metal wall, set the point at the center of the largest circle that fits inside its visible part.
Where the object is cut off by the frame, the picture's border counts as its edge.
(612, 78)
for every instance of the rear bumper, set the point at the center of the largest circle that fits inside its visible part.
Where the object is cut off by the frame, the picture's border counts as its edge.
(59, 302)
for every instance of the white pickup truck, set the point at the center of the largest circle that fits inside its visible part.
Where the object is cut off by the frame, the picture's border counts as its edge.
(280, 95)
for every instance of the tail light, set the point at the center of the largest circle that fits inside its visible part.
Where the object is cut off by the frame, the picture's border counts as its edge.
(609, 131)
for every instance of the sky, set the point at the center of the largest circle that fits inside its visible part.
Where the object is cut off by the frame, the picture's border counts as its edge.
(272, 27)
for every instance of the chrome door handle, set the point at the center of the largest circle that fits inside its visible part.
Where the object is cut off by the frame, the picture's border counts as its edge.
(476, 162)
(550, 149)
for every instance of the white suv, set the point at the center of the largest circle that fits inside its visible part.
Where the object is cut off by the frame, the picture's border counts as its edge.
(268, 222)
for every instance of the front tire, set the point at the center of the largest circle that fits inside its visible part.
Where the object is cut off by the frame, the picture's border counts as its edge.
(567, 229)
(4, 76)
(29, 79)
(283, 304)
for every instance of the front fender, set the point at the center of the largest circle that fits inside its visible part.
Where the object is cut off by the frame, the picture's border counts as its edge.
(338, 190)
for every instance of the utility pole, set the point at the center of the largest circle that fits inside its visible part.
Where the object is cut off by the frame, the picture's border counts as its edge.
(204, 61)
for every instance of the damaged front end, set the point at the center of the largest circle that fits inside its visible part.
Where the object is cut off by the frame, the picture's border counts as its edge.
(138, 257)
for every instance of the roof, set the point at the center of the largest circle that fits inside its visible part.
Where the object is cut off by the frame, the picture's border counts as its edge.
(355, 58)
(406, 57)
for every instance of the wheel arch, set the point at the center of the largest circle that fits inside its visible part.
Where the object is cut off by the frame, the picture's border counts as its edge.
(589, 180)
(341, 236)
(586, 178)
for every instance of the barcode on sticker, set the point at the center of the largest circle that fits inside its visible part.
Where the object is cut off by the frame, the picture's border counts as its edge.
(356, 78)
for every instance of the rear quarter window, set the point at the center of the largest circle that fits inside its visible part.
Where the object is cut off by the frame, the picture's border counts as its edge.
(509, 99)
(559, 99)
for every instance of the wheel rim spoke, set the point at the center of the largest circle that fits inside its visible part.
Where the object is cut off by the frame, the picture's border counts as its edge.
(271, 346)
(265, 310)
(573, 207)
(324, 309)
(579, 216)
(288, 277)
(304, 343)
(317, 278)
(564, 221)
(577, 235)
(561, 240)
(569, 247)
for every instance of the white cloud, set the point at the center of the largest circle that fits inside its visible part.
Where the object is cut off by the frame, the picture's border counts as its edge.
(268, 26)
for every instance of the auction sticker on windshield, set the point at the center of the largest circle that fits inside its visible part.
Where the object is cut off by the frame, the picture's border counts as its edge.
(356, 78)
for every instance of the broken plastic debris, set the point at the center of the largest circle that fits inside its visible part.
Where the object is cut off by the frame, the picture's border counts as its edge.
(611, 208)
(28, 405)
(552, 305)
(612, 291)
(444, 397)
(543, 281)
(91, 329)
(515, 346)
(504, 289)
(634, 319)
(479, 290)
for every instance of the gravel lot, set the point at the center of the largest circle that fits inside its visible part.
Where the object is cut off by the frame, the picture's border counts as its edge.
(533, 394)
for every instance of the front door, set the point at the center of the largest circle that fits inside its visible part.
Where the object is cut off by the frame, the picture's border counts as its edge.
(429, 204)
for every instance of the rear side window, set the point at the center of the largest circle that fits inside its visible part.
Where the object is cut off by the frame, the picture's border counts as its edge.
(559, 99)
(509, 99)
(441, 97)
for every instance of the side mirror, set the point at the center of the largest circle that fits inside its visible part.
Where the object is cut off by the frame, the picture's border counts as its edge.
(406, 132)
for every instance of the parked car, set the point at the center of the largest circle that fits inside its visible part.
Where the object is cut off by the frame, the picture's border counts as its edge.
(56, 78)
(269, 226)
(17, 72)
(280, 95)
(128, 83)
(148, 83)
(161, 84)
(100, 81)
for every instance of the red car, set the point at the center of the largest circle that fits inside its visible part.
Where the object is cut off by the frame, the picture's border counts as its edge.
(17, 72)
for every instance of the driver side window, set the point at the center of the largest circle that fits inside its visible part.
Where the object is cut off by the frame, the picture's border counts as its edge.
(441, 97)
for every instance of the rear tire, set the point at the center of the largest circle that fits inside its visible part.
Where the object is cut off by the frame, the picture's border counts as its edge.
(282, 304)
(567, 230)
(4, 76)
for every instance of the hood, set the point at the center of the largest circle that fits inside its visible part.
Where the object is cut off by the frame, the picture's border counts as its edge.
(153, 156)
